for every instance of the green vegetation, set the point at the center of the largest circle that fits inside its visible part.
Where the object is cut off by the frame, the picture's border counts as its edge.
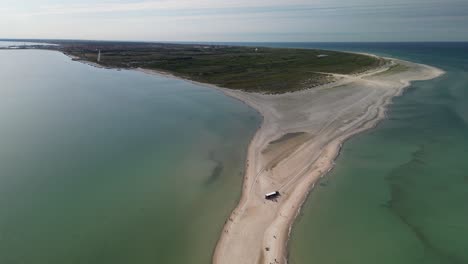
(252, 69)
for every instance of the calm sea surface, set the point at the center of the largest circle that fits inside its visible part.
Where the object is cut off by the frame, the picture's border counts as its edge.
(399, 193)
(102, 166)
(106, 167)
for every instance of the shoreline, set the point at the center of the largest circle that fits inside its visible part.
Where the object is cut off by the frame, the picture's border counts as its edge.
(257, 231)
(278, 252)
(331, 154)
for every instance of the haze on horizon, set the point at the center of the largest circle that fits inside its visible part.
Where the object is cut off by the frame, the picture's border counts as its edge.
(240, 20)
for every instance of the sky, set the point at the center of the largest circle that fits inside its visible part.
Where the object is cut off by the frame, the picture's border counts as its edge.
(239, 20)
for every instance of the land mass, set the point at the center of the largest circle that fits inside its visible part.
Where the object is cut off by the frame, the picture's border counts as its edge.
(300, 137)
(311, 102)
(252, 69)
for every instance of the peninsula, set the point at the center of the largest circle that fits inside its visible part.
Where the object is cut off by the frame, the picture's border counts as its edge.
(311, 102)
(251, 69)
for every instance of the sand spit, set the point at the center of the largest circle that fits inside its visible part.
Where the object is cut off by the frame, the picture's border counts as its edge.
(300, 137)
(297, 143)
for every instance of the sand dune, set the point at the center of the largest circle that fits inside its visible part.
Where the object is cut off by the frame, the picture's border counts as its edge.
(298, 141)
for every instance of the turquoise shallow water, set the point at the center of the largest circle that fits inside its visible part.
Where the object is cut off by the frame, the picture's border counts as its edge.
(103, 166)
(399, 192)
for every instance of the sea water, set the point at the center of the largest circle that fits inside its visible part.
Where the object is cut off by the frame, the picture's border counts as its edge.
(399, 192)
(106, 166)
(102, 166)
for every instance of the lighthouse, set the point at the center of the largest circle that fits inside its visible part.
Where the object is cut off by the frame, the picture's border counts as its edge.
(99, 56)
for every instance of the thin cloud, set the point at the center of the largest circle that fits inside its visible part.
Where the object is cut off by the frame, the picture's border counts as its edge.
(162, 5)
(204, 6)
(180, 5)
(262, 20)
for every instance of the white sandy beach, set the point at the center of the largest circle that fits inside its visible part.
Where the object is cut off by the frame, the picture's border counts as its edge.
(297, 143)
(317, 122)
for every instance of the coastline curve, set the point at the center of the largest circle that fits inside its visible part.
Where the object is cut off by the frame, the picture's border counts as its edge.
(258, 231)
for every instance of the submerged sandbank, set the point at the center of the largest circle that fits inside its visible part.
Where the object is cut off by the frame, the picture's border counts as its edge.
(297, 143)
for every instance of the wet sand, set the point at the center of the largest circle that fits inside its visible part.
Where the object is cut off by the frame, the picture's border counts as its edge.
(297, 143)
(300, 137)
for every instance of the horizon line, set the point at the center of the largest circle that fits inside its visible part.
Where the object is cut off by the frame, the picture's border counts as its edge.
(211, 41)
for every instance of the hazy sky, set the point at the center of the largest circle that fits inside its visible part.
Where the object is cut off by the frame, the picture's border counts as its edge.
(239, 20)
